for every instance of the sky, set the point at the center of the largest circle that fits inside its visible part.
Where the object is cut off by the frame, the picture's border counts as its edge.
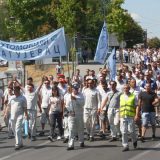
(146, 13)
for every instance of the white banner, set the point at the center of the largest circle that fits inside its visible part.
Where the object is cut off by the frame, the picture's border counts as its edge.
(102, 46)
(51, 45)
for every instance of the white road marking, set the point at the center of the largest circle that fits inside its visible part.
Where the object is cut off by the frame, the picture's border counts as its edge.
(19, 152)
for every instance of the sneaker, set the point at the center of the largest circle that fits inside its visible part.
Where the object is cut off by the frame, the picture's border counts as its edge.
(82, 144)
(76, 138)
(17, 147)
(142, 139)
(33, 138)
(103, 136)
(41, 133)
(125, 149)
(50, 138)
(153, 137)
(91, 139)
(139, 135)
(65, 140)
(87, 137)
(135, 145)
(10, 137)
(59, 138)
(70, 148)
(113, 139)
(29, 135)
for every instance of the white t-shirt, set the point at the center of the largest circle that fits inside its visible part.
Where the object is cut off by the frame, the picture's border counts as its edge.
(46, 93)
(17, 106)
(67, 99)
(55, 104)
(59, 69)
(92, 98)
(32, 99)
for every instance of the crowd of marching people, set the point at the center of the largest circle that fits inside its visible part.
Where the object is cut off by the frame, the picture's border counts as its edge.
(75, 106)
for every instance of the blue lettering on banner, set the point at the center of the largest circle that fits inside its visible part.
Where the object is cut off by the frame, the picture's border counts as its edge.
(25, 55)
(12, 47)
(53, 38)
(32, 54)
(17, 48)
(3, 53)
(56, 49)
(48, 51)
(10, 54)
(47, 46)
(25, 46)
(39, 51)
(18, 54)
(7, 45)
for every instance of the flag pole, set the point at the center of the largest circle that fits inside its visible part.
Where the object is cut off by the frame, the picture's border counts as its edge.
(104, 14)
(68, 66)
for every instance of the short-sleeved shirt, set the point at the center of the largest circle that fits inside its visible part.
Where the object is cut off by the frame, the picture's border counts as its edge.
(18, 106)
(46, 93)
(113, 99)
(55, 104)
(147, 100)
(32, 99)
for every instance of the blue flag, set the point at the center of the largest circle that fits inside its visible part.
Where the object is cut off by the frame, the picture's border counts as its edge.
(112, 64)
(102, 46)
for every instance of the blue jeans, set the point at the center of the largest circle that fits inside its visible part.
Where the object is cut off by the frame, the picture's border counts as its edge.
(148, 117)
(55, 117)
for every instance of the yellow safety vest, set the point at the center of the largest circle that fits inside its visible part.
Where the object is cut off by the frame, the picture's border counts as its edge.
(127, 106)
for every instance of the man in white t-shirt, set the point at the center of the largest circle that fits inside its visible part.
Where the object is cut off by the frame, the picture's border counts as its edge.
(92, 103)
(32, 98)
(65, 113)
(18, 106)
(59, 68)
(45, 94)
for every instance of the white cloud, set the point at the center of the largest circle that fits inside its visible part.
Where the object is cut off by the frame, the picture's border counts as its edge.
(135, 16)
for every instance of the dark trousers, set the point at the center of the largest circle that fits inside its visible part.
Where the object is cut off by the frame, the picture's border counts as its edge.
(55, 117)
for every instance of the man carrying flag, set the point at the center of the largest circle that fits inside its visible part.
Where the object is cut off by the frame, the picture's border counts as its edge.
(102, 47)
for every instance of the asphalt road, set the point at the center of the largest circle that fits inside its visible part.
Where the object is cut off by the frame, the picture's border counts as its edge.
(43, 149)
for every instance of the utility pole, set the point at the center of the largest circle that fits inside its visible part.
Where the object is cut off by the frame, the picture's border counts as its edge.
(145, 38)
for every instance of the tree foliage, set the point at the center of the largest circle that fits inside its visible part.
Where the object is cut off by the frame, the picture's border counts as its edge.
(121, 23)
(3, 28)
(32, 17)
(83, 18)
(134, 33)
(117, 19)
(154, 43)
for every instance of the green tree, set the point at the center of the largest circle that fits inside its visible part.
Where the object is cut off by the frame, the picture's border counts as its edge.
(154, 43)
(117, 19)
(134, 33)
(32, 17)
(3, 28)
